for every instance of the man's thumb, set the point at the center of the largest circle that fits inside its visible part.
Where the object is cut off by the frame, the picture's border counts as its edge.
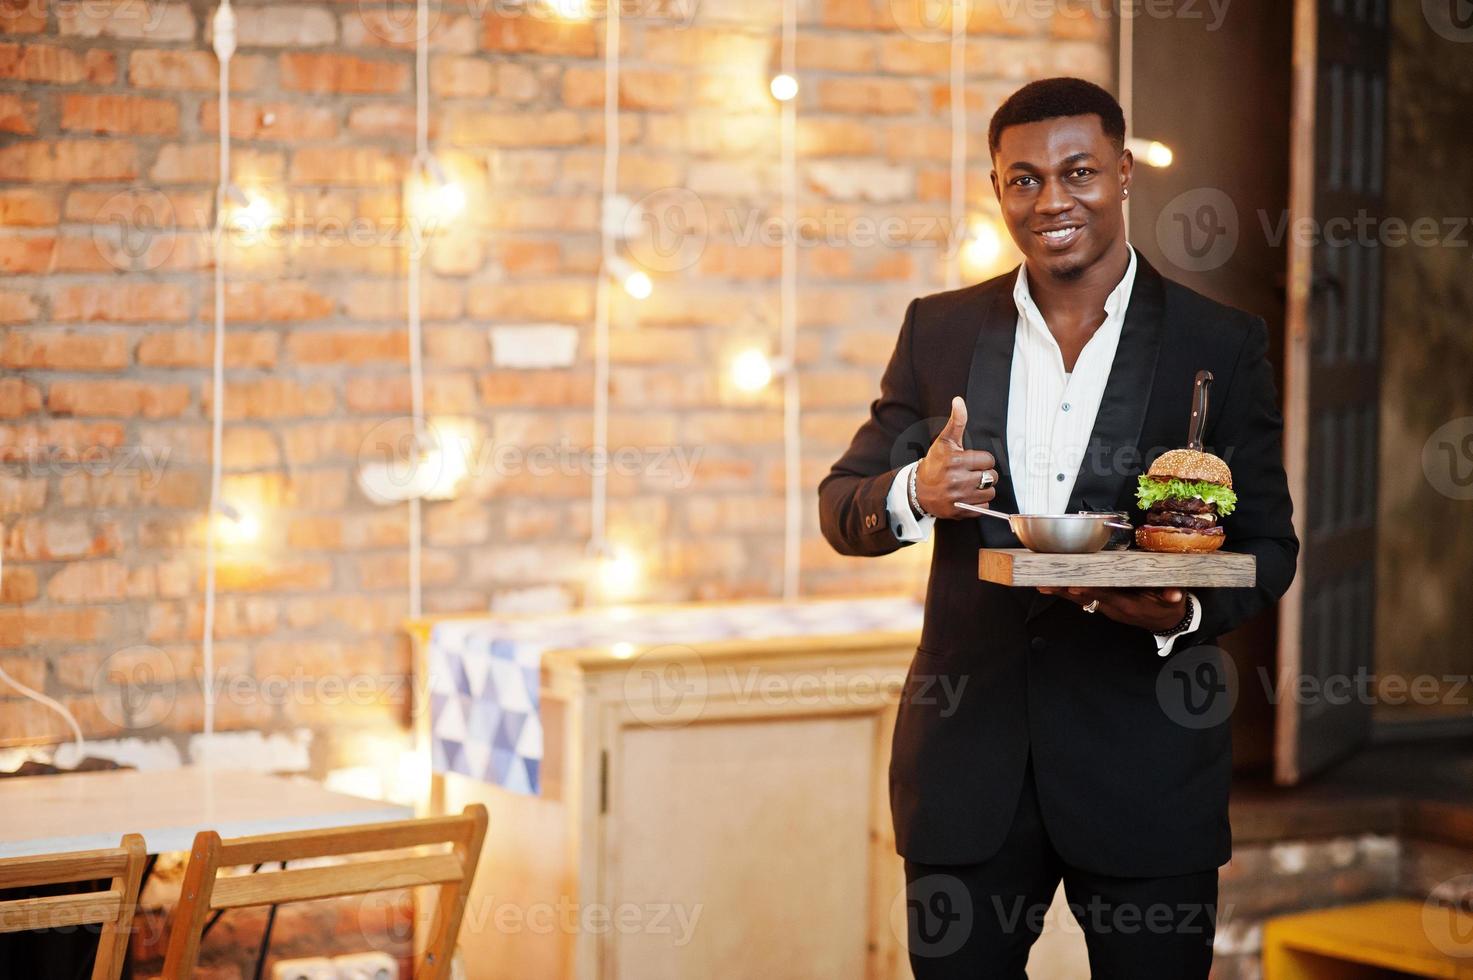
(956, 426)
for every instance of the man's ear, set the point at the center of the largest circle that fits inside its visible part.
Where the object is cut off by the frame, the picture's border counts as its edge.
(1127, 169)
(996, 188)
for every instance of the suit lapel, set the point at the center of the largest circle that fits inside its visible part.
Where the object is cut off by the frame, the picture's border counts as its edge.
(988, 382)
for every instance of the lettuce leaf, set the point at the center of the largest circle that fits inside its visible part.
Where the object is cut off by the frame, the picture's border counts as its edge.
(1152, 491)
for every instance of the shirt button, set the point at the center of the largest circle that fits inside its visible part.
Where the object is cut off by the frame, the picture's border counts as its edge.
(1060, 477)
(1039, 644)
(1066, 406)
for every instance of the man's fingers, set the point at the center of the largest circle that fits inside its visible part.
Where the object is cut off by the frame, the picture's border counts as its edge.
(956, 426)
(974, 460)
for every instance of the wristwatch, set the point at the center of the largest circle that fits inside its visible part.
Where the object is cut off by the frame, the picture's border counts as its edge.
(915, 501)
(1186, 619)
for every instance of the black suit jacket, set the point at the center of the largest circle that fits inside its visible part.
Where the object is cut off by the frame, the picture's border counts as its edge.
(1125, 789)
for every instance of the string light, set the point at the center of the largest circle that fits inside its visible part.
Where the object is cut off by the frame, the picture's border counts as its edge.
(434, 199)
(1153, 153)
(959, 15)
(236, 525)
(784, 88)
(792, 422)
(982, 249)
(636, 281)
(249, 214)
(618, 572)
(752, 370)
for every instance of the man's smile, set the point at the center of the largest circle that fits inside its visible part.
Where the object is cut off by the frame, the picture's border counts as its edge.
(1060, 238)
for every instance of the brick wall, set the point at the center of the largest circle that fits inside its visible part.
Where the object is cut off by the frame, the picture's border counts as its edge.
(108, 122)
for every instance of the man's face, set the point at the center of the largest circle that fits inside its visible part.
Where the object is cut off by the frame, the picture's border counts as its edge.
(1061, 183)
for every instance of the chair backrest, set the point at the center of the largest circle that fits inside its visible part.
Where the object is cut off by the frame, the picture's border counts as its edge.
(449, 871)
(112, 908)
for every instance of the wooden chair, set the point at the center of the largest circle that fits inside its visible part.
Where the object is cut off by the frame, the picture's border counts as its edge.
(204, 891)
(112, 908)
(1350, 942)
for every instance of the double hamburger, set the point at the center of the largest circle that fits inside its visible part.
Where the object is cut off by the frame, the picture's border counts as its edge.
(1185, 495)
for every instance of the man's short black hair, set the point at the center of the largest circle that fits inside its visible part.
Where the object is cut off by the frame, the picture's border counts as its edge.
(1052, 98)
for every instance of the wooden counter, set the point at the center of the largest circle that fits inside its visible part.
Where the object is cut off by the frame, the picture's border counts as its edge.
(703, 805)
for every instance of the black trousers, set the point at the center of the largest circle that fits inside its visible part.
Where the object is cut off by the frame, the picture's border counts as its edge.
(978, 921)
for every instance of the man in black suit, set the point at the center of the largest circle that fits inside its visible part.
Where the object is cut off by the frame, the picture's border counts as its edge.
(1087, 738)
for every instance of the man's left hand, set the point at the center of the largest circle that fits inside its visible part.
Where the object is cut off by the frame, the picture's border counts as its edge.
(1152, 609)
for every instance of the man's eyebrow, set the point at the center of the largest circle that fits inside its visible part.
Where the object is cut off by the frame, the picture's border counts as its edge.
(1064, 164)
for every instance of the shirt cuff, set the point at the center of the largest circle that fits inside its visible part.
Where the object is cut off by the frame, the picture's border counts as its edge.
(903, 521)
(1164, 644)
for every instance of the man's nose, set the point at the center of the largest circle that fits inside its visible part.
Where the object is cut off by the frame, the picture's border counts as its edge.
(1053, 199)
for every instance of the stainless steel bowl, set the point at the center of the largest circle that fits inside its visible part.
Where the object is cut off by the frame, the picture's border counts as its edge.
(1061, 534)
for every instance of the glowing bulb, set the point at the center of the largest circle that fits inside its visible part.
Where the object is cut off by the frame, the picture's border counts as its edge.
(1151, 152)
(249, 214)
(784, 88)
(982, 247)
(623, 650)
(570, 9)
(638, 285)
(618, 573)
(237, 526)
(435, 199)
(751, 370)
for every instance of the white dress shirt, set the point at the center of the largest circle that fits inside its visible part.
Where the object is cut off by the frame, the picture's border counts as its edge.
(1051, 414)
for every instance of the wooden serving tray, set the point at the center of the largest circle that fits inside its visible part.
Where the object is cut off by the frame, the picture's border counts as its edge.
(1121, 569)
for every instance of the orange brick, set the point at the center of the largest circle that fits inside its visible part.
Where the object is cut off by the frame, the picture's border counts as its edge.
(274, 398)
(22, 206)
(274, 302)
(852, 14)
(69, 160)
(882, 96)
(126, 20)
(385, 119)
(444, 393)
(456, 77)
(64, 350)
(347, 346)
(55, 539)
(196, 71)
(295, 25)
(22, 16)
(342, 74)
(117, 399)
(282, 121)
(538, 35)
(89, 581)
(833, 52)
(199, 163)
(119, 114)
(57, 66)
(21, 495)
(476, 127)
(638, 88)
(360, 165)
(194, 348)
(25, 627)
(16, 307)
(19, 584)
(17, 114)
(18, 397)
(22, 255)
(122, 303)
(239, 575)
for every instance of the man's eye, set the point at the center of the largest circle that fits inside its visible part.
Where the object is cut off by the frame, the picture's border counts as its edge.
(1082, 173)
(1021, 181)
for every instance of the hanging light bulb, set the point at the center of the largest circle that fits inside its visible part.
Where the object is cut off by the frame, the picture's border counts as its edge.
(784, 87)
(636, 282)
(1150, 152)
(435, 199)
(982, 248)
(616, 571)
(570, 9)
(236, 525)
(752, 370)
(248, 214)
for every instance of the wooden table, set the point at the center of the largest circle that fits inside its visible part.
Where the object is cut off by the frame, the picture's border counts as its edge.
(85, 810)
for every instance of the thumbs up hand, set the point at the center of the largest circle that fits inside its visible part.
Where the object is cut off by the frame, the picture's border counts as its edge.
(950, 473)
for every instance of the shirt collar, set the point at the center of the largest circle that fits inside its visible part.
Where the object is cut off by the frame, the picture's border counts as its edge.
(1115, 303)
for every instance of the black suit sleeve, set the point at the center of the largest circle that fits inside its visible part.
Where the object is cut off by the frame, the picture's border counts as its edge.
(1249, 437)
(851, 511)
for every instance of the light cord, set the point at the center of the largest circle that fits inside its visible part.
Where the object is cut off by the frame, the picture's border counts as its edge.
(792, 428)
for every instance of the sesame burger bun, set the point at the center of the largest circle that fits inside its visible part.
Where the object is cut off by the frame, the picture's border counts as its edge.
(1189, 464)
(1181, 540)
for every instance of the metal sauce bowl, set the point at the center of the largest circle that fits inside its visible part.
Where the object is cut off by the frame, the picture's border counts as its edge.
(1060, 534)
